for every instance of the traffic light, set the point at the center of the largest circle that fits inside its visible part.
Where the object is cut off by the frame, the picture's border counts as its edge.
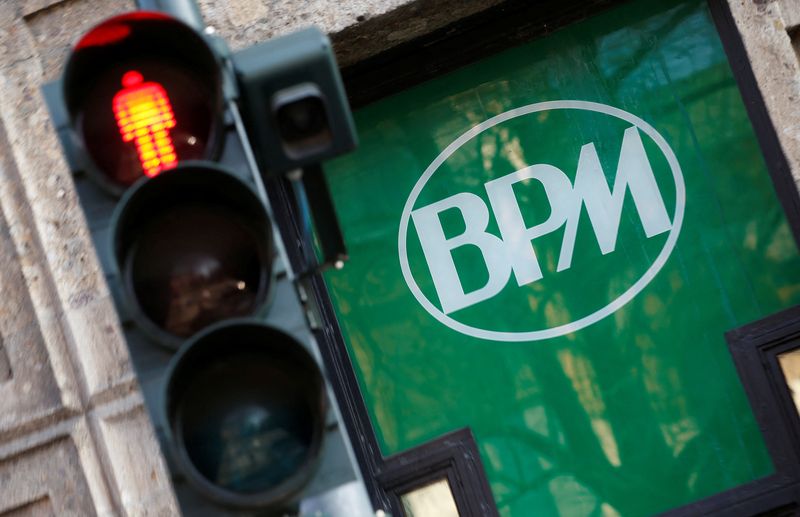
(148, 112)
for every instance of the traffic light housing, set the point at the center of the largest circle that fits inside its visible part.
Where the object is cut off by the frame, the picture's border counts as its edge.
(148, 114)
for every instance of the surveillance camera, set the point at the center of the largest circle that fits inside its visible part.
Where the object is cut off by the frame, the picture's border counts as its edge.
(297, 114)
(301, 117)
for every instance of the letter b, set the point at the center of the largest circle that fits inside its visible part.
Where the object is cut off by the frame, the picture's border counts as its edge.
(438, 250)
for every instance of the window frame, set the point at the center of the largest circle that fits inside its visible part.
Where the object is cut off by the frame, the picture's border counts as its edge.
(455, 454)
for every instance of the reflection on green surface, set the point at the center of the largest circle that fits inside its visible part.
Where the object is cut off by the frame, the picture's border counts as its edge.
(790, 365)
(641, 411)
(432, 500)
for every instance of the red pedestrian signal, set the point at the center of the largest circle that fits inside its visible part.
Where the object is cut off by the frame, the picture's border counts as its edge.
(143, 93)
(144, 116)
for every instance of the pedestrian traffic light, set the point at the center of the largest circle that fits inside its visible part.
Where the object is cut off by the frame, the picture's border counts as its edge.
(148, 113)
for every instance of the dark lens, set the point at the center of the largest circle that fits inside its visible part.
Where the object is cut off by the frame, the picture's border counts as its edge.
(197, 264)
(246, 424)
(245, 406)
(303, 119)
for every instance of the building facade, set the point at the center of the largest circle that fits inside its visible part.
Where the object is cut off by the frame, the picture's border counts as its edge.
(75, 437)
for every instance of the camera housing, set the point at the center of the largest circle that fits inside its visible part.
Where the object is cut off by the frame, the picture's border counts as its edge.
(297, 113)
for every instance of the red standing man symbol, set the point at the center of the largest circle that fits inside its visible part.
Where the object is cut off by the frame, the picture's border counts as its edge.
(144, 116)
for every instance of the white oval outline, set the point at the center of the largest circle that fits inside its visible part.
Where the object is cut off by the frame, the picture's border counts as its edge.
(616, 304)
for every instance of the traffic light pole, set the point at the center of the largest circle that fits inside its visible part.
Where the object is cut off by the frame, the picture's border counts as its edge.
(233, 109)
(186, 11)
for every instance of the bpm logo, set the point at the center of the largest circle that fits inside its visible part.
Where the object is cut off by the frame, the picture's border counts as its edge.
(582, 202)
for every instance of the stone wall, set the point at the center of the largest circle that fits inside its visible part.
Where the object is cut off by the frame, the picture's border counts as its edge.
(771, 34)
(74, 436)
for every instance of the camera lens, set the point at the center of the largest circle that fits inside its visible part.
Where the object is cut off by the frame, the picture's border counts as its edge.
(302, 119)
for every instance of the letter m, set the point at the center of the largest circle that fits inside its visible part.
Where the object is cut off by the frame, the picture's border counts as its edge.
(604, 206)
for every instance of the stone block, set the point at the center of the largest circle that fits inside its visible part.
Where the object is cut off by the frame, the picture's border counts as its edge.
(46, 481)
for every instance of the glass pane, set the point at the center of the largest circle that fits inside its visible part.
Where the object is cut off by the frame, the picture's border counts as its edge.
(790, 364)
(432, 500)
(563, 417)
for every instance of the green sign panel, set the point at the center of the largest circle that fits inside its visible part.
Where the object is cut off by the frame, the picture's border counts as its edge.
(548, 246)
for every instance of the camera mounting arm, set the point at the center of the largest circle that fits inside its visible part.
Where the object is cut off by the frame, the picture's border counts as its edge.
(297, 117)
(312, 196)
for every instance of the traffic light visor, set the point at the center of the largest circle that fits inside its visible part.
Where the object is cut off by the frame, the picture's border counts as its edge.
(143, 93)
